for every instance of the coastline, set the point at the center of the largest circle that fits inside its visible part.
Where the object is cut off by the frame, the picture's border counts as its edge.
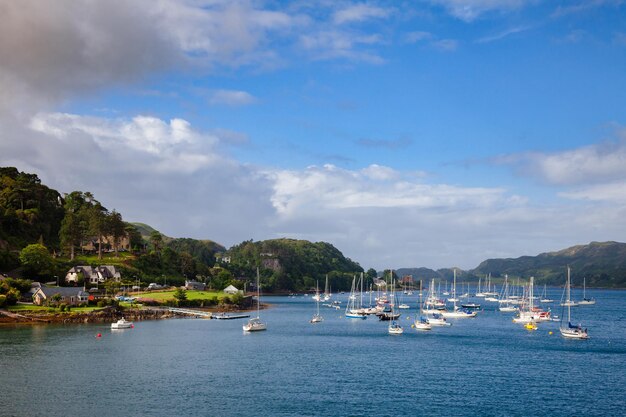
(110, 315)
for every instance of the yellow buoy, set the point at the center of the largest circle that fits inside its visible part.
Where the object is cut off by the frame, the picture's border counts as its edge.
(549, 332)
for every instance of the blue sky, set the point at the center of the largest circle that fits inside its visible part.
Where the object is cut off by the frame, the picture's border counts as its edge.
(430, 133)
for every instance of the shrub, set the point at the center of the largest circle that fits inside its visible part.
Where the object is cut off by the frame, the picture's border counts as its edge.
(3, 300)
(62, 307)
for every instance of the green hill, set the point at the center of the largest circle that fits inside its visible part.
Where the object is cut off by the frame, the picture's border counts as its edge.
(602, 263)
(292, 265)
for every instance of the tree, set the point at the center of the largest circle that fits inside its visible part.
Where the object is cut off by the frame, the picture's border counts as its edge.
(112, 287)
(98, 223)
(156, 239)
(371, 274)
(117, 228)
(134, 237)
(73, 225)
(187, 264)
(36, 260)
(180, 295)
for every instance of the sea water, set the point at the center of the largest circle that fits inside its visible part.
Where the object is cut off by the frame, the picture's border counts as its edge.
(486, 366)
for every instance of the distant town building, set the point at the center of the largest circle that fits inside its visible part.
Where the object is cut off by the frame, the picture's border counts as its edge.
(92, 275)
(407, 279)
(220, 257)
(123, 244)
(195, 285)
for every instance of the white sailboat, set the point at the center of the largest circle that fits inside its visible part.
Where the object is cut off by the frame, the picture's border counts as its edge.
(394, 327)
(327, 293)
(528, 312)
(544, 296)
(421, 323)
(255, 324)
(569, 330)
(352, 311)
(457, 312)
(586, 301)
(317, 318)
(505, 301)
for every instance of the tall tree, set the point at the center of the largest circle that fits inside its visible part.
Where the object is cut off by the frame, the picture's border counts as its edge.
(117, 228)
(74, 226)
(98, 223)
(156, 239)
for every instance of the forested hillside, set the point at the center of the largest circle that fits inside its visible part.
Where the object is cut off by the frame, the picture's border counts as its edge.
(603, 264)
(292, 265)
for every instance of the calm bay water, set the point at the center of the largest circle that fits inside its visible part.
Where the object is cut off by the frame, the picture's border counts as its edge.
(486, 366)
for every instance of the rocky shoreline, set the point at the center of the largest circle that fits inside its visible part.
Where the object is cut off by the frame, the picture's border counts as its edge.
(105, 315)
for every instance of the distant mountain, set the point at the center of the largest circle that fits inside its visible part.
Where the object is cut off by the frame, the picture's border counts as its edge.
(603, 264)
(146, 230)
(426, 274)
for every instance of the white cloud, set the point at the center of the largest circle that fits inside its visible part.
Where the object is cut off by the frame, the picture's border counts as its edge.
(334, 44)
(232, 98)
(611, 192)
(503, 34)
(170, 146)
(329, 187)
(604, 162)
(469, 10)
(448, 45)
(359, 13)
(417, 36)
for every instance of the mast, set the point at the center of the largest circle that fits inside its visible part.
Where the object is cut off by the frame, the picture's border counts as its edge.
(258, 294)
(454, 290)
(567, 292)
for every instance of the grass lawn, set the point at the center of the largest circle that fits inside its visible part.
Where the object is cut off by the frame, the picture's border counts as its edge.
(107, 259)
(27, 307)
(191, 295)
(31, 307)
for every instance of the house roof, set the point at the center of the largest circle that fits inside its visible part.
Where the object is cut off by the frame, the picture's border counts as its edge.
(63, 291)
(231, 288)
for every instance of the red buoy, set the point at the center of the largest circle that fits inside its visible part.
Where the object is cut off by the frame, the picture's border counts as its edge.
(99, 335)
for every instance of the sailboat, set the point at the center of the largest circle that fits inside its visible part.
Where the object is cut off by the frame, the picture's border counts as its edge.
(505, 301)
(317, 318)
(544, 297)
(421, 322)
(434, 313)
(569, 330)
(327, 292)
(394, 327)
(255, 324)
(457, 312)
(352, 312)
(586, 301)
(528, 311)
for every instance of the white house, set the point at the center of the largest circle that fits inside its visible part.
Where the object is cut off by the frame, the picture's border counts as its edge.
(231, 290)
(90, 275)
(68, 295)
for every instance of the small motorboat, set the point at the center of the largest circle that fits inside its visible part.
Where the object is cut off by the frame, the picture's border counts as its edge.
(122, 324)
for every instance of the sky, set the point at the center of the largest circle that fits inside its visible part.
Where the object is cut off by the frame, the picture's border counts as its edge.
(432, 133)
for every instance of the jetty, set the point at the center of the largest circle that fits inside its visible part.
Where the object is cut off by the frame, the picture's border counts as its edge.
(189, 312)
(224, 316)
